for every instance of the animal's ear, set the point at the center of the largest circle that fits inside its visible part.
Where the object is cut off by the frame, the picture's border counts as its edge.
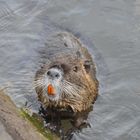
(87, 65)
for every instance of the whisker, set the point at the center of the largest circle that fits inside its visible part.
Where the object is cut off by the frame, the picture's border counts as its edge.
(71, 90)
(38, 83)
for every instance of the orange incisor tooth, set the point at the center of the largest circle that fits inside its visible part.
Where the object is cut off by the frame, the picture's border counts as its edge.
(51, 90)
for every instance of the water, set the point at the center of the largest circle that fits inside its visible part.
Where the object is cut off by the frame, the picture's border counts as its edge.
(113, 26)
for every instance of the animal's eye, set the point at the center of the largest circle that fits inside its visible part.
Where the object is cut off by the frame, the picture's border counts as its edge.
(75, 69)
(87, 66)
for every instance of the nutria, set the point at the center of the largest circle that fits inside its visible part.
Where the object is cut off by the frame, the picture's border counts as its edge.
(68, 77)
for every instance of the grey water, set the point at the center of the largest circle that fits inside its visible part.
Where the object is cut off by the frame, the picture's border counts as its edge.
(111, 30)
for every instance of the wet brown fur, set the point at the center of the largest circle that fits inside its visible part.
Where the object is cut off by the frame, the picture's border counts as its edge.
(65, 50)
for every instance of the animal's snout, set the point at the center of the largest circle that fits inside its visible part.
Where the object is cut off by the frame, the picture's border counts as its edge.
(53, 74)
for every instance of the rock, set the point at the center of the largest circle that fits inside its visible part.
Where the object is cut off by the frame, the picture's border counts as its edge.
(4, 134)
(13, 125)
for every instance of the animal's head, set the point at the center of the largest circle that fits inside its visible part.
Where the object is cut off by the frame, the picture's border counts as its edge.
(70, 76)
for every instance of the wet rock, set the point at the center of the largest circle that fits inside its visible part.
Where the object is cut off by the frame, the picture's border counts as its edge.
(4, 134)
(13, 125)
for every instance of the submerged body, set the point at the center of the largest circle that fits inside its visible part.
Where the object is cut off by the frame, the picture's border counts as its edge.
(68, 77)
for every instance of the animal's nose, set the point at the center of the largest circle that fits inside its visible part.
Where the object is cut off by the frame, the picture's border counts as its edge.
(53, 74)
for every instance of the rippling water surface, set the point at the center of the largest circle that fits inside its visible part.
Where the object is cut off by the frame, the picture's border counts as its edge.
(113, 26)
